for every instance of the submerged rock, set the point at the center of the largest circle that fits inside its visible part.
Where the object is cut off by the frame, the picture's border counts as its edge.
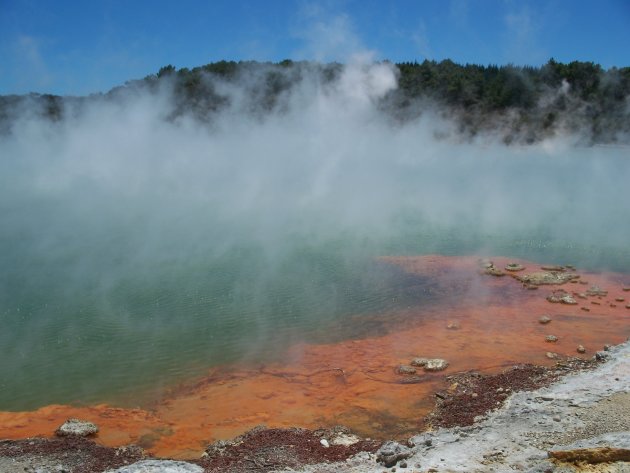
(596, 291)
(405, 369)
(159, 466)
(76, 427)
(514, 267)
(452, 326)
(391, 453)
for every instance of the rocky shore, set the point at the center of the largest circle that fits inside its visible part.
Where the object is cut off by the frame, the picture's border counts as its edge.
(576, 418)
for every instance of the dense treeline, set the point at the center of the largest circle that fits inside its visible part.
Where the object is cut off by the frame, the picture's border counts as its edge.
(519, 104)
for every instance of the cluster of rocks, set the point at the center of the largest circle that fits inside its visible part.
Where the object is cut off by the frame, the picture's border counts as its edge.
(562, 297)
(426, 364)
(539, 278)
(548, 275)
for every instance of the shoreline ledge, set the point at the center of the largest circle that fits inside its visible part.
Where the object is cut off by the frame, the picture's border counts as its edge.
(580, 416)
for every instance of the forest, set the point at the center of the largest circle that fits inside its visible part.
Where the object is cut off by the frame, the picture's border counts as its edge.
(517, 104)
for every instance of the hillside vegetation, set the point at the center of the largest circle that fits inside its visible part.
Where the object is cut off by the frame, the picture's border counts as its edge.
(517, 104)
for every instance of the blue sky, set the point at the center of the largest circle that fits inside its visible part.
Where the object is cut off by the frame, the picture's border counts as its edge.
(79, 47)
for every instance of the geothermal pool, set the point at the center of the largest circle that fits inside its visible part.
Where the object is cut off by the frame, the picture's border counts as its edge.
(475, 321)
(184, 283)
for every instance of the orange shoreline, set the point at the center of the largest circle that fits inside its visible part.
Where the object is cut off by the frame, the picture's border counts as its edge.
(354, 382)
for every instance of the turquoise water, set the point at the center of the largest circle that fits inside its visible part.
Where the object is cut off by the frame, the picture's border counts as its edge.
(114, 293)
(121, 342)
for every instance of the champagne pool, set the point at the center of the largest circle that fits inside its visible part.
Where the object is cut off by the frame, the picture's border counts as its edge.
(124, 298)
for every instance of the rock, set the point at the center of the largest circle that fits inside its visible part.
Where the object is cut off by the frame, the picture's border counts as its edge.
(391, 453)
(619, 299)
(561, 296)
(436, 364)
(596, 291)
(585, 309)
(544, 319)
(581, 349)
(552, 268)
(625, 288)
(539, 278)
(601, 356)
(452, 326)
(405, 369)
(607, 347)
(344, 439)
(217, 448)
(551, 338)
(514, 267)
(76, 427)
(592, 455)
(568, 299)
(159, 466)
(419, 362)
(430, 364)
(411, 380)
(494, 271)
(324, 443)
(552, 355)
(485, 263)
(627, 306)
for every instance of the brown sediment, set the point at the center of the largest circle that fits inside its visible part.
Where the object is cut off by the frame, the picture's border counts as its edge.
(355, 382)
(270, 449)
(472, 394)
(80, 454)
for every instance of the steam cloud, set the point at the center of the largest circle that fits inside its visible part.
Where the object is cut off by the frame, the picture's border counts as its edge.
(119, 193)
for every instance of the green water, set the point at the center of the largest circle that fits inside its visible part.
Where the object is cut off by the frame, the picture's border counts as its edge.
(114, 297)
(166, 323)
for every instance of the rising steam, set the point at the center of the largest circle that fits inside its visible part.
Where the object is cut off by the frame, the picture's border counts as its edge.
(124, 204)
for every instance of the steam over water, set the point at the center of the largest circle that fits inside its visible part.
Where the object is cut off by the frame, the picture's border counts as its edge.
(138, 251)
